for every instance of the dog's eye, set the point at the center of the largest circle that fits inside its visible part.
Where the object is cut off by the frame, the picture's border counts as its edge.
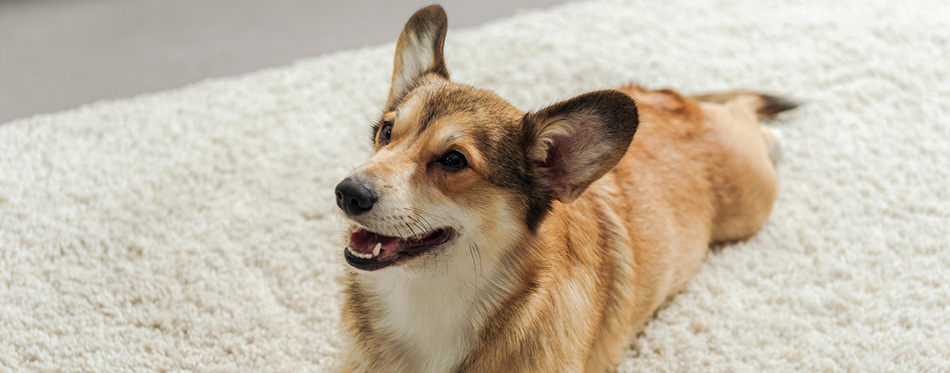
(385, 132)
(453, 161)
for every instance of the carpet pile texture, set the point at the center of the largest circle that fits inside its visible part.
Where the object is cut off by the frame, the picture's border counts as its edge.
(195, 229)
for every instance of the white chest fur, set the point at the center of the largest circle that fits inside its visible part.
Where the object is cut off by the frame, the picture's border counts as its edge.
(434, 311)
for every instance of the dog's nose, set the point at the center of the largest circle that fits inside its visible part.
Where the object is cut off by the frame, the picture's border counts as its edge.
(354, 197)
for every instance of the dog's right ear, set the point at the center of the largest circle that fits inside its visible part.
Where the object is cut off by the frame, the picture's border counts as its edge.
(573, 143)
(418, 51)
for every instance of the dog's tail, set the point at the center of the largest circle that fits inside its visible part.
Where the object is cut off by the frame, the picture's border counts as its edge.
(764, 105)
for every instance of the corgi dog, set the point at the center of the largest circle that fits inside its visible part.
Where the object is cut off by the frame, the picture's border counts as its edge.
(486, 239)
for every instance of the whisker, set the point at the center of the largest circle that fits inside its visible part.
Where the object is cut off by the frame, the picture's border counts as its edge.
(398, 229)
(478, 254)
(471, 250)
(412, 231)
(445, 265)
(426, 223)
(330, 199)
(404, 223)
(423, 220)
(423, 227)
(419, 220)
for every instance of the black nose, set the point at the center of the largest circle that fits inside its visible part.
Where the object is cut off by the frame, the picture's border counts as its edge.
(354, 197)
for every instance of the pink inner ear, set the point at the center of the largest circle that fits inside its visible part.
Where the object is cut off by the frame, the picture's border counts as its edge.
(571, 151)
(555, 163)
(579, 140)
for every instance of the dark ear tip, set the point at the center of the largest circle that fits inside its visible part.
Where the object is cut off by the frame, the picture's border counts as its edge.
(430, 14)
(432, 9)
(616, 105)
(619, 108)
(615, 97)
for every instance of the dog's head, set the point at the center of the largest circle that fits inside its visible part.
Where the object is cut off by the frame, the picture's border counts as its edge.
(457, 171)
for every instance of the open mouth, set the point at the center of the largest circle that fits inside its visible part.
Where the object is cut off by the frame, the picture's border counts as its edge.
(370, 251)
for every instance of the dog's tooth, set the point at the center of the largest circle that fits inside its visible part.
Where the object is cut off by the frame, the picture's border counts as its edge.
(359, 254)
(379, 245)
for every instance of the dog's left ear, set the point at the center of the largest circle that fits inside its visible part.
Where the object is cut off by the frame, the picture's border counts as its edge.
(419, 51)
(573, 143)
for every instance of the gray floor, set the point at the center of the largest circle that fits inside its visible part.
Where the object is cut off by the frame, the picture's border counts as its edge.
(59, 54)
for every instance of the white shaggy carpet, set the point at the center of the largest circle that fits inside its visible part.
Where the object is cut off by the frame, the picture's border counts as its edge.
(194, 229)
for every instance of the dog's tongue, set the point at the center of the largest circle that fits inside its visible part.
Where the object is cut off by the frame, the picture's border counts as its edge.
(364, 242)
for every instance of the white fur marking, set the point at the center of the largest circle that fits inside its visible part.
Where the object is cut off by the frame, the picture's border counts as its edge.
(435, 309)
(416, 57)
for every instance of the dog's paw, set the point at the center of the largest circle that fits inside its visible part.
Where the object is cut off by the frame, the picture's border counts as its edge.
(773, 144)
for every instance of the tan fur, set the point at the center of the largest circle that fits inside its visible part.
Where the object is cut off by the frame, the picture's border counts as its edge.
(570, 295)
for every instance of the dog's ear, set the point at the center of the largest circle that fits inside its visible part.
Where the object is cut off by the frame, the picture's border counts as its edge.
(573, 143)
(419, 51)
